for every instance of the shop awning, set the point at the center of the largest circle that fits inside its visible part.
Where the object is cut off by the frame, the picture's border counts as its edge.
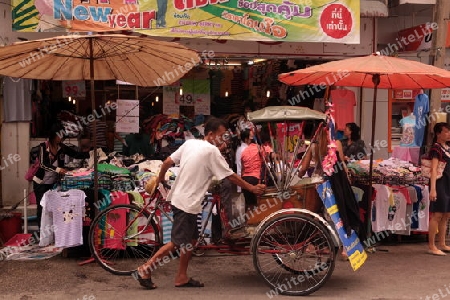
(282, 113)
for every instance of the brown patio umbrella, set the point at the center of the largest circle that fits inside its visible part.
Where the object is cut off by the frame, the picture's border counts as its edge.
(138, 60)
(373, 71)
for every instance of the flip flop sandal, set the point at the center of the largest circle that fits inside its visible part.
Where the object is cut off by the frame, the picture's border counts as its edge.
(145, 282)
(437, 253)
(191, 283)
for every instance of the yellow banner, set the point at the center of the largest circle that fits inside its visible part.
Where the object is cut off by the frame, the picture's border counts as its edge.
(253, 20)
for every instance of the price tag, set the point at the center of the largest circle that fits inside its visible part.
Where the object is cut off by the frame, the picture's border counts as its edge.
(186, 100)
(75, 88)
(445, 94)
(128, 108)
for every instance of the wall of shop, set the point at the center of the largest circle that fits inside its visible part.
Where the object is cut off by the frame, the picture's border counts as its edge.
(15, 141)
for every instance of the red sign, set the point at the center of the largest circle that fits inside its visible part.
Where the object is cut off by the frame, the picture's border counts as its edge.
(406, 94)
(74, 88)
(415, 38)
(336, 21)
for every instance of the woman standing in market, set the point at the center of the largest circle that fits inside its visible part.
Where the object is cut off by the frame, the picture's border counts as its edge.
(439, 190)
(252, 166)
(51, 164)
(352, 146)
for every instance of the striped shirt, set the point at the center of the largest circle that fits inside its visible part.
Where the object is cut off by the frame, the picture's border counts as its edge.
(101, 131)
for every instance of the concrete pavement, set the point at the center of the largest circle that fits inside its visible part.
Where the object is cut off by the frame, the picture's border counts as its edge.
(403, 271)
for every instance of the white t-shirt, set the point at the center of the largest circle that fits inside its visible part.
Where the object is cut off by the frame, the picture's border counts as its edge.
(199, 162)
(238, 161)
(67, 210)
(424, 211)
(380, 208)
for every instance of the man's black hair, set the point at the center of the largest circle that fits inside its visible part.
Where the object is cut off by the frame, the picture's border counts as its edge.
(213, 125)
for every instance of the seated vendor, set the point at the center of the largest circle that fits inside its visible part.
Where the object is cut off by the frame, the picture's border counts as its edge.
(352, 145)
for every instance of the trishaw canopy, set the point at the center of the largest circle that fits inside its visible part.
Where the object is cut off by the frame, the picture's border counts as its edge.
(284, 113)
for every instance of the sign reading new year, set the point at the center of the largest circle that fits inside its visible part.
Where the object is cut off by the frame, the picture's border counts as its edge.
(251, 20)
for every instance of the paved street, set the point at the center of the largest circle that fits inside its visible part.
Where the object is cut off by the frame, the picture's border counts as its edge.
(402, 271)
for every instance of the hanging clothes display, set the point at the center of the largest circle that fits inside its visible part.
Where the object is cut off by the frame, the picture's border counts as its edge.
(344, 101)
(400, 209)
(408, 124)
(64, 212)
(421, 109)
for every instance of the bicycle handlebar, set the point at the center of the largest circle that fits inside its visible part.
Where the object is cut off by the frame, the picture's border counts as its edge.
(166, 185)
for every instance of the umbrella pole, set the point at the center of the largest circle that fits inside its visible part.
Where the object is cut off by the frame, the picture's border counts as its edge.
(94, 125)
(376, 82)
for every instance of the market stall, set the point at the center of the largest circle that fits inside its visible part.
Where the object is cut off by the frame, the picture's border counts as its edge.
(399, 203)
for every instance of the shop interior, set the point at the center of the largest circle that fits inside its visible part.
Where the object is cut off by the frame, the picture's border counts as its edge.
(232, 82)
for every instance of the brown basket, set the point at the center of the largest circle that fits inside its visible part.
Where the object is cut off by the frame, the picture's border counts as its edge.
(301, 196)
(308, 197)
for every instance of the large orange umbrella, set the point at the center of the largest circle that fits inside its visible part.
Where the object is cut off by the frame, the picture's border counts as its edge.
(373, 71)
(394, 73)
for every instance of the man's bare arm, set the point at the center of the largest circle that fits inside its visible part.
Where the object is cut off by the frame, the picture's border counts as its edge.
(256, 189)
(164, 167)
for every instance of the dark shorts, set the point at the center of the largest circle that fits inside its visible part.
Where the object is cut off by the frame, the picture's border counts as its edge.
(250, 198)
(184, 228)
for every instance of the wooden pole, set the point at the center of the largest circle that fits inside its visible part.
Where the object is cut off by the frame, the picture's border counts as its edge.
(437, 56)
(94, 124)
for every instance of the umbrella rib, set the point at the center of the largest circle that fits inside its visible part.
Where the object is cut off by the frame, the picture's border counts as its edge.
(134, 68)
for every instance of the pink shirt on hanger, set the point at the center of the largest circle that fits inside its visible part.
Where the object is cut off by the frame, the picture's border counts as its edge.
(343, 102)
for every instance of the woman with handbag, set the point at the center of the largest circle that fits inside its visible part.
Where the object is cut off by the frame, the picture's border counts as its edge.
(51, 165)
(439, 190)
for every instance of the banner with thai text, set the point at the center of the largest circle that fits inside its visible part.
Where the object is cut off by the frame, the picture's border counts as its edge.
(355, 251)
(287, 139)
(251, 20)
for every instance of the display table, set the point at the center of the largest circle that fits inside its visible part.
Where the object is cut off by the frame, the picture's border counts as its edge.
(411, 154)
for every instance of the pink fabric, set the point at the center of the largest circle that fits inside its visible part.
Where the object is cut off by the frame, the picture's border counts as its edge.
(118, 222)
(82, 173)
(411, 154)
(343, 103)
(32, 198)
(251, 160)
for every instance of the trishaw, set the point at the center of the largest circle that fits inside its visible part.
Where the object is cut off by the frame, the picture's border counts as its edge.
(292, 245)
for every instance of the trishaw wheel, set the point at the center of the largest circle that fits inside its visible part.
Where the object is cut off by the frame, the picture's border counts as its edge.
(294, 253)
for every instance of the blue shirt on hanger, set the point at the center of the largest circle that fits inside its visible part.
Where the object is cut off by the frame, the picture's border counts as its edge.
(421, 108)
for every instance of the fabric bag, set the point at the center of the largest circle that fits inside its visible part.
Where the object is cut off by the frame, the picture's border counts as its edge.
(425, 165)
(32, 170)
(34, 161)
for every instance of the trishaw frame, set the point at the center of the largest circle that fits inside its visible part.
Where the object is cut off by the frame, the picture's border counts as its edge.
(295, 256)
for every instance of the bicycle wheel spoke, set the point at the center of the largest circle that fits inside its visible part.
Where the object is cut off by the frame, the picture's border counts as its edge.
(121, 238)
